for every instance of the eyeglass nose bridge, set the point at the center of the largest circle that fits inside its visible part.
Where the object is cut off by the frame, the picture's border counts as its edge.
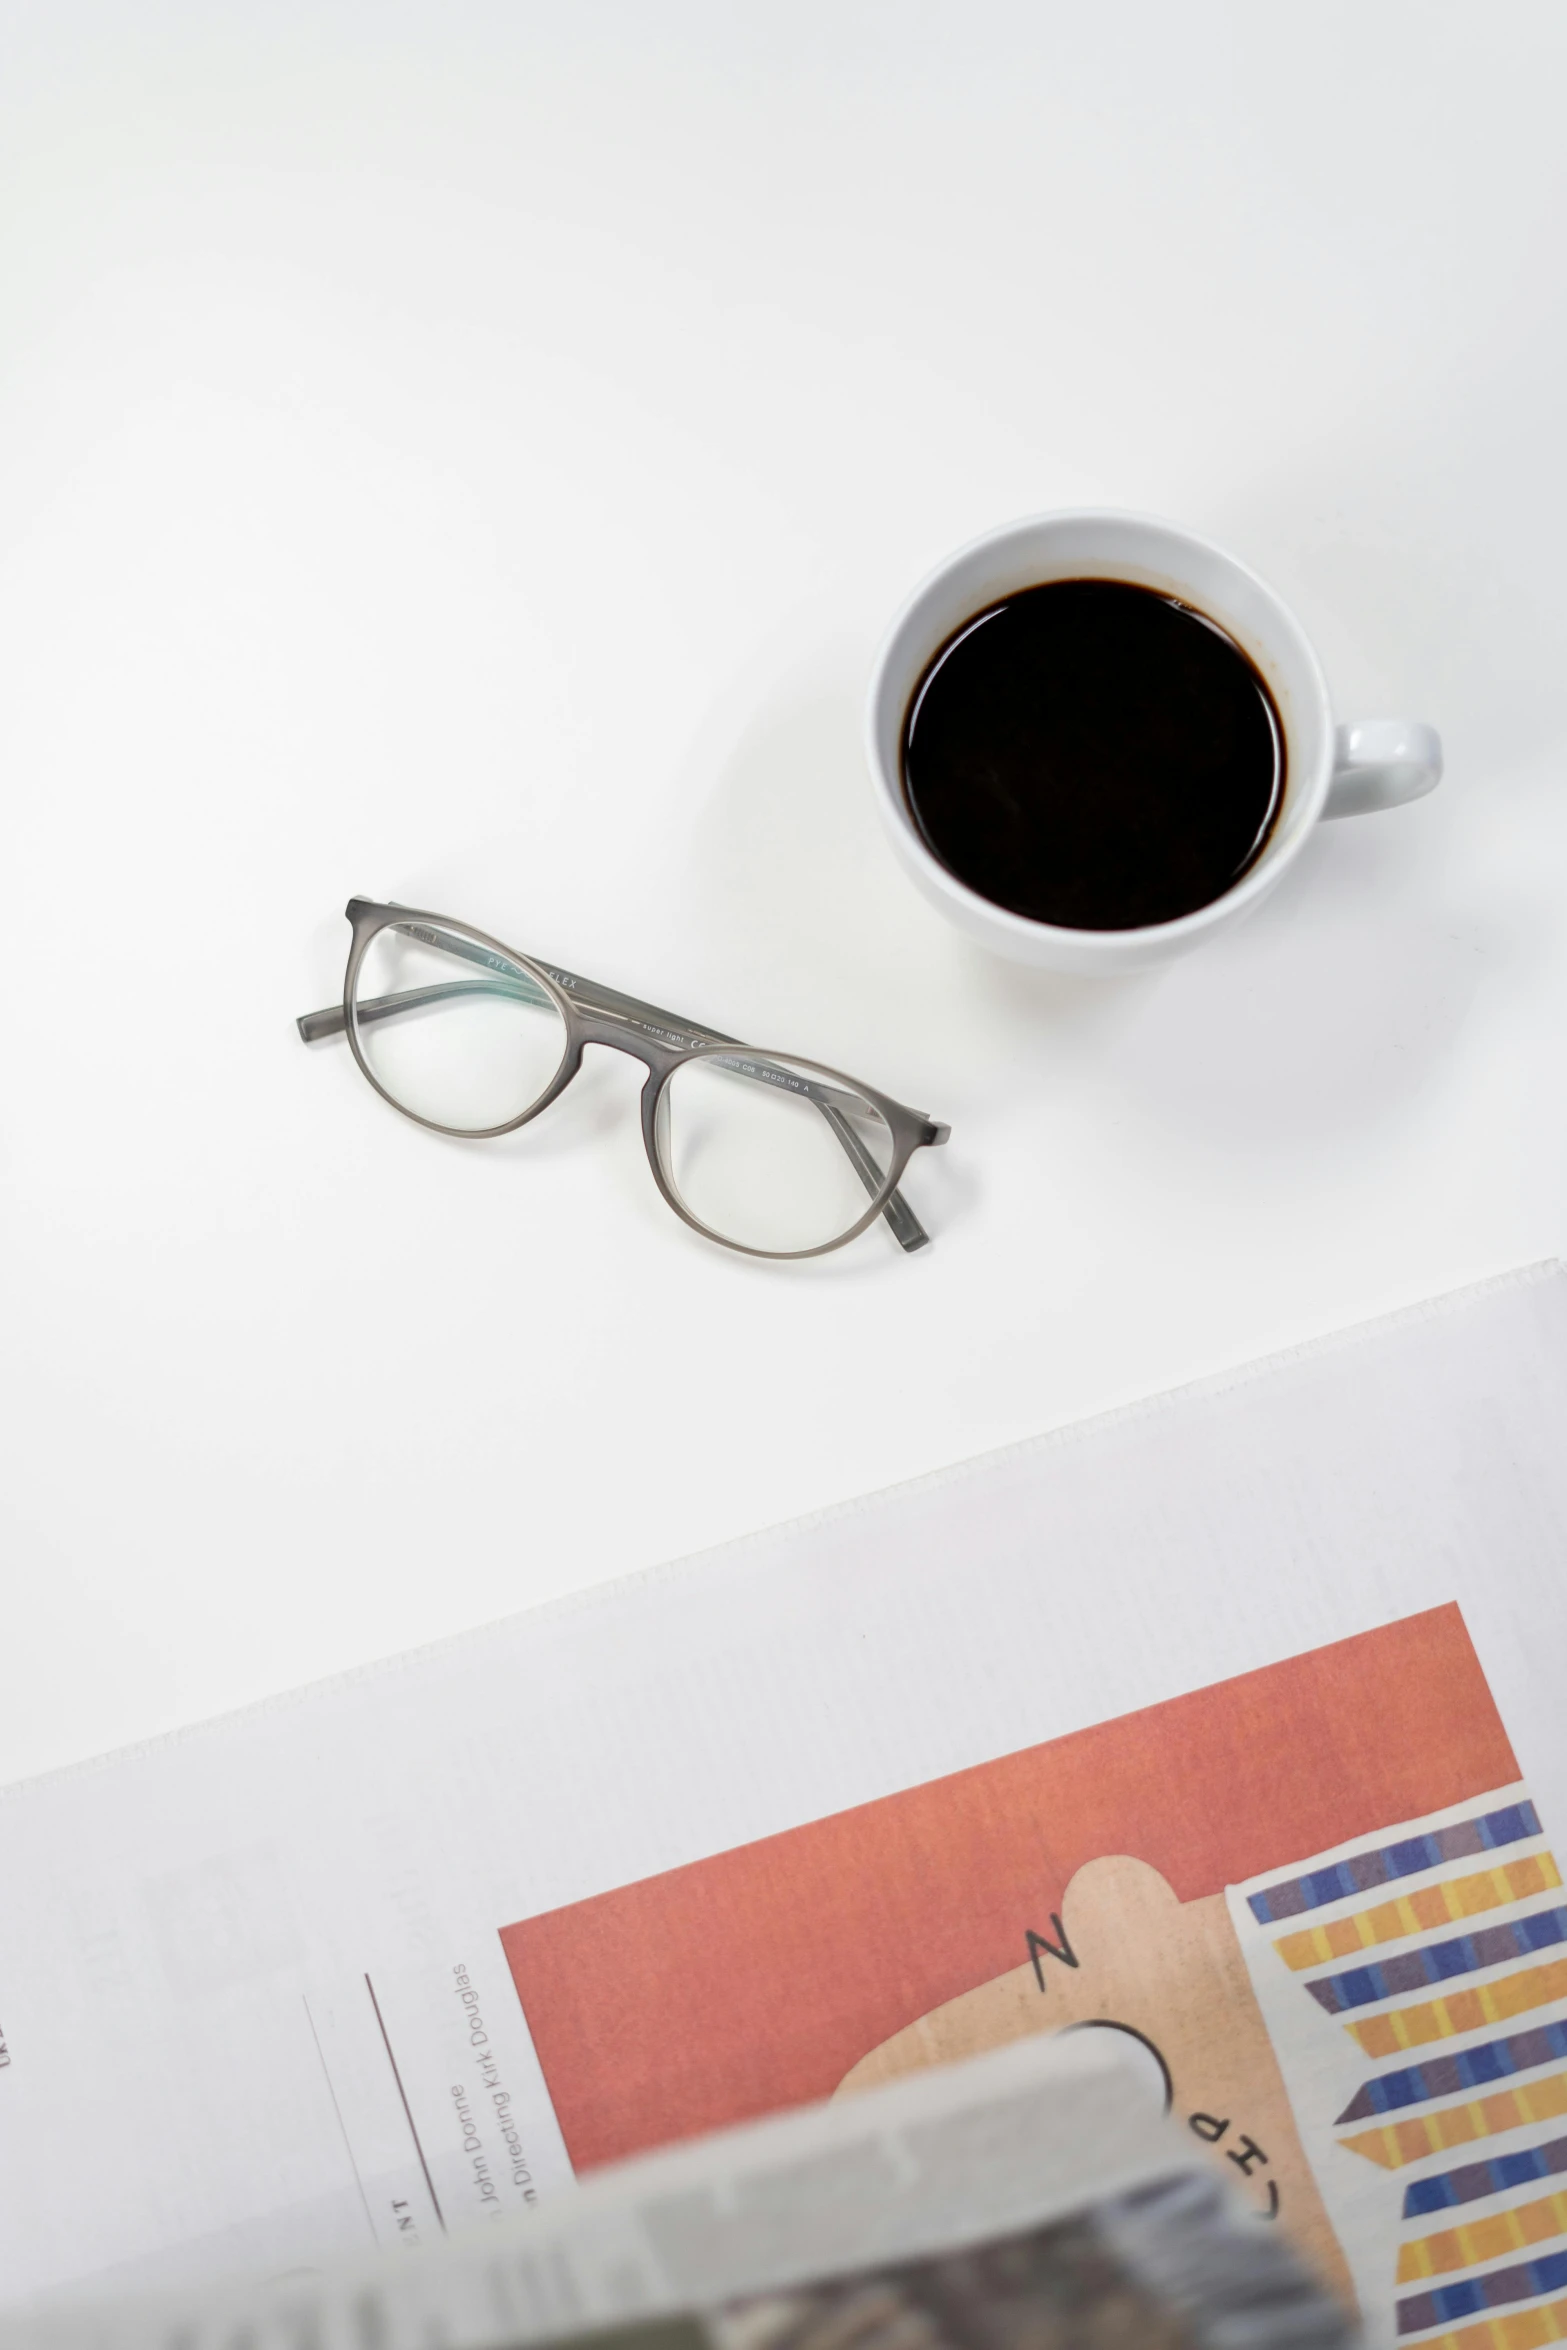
(658, 1049)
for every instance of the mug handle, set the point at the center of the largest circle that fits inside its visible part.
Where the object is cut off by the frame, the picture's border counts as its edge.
(1380, 763)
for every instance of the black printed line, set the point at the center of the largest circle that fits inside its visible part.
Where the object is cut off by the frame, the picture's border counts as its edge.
(403, 2094)
(342, 2125)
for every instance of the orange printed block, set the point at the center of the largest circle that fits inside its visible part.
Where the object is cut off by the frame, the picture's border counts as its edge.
(1419, 1913)
(1527, 2331)
(1483, 2239)
(1514, 1993)
(1397, 2143)
(1462, 2011)
(1542, 2103)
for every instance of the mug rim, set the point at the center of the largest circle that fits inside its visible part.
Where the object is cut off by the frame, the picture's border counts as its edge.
(972, 907)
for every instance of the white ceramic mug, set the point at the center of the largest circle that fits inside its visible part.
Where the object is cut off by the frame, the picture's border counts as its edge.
(1328, 770)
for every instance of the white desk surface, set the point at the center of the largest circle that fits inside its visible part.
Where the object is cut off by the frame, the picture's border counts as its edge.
(468, 455)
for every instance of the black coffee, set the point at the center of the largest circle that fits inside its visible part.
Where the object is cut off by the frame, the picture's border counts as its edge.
(1093, 754)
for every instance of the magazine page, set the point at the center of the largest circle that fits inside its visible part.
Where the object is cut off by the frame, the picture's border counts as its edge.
(1234, 1722)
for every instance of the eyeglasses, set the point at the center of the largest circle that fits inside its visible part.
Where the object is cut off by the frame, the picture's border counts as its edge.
(764, 1153)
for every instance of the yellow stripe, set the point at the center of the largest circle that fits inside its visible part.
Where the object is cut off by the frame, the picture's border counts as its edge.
(1396, 2143)
(1467, 2010)
(1524, 2331)
(1421, 1912)
(1484, 2239)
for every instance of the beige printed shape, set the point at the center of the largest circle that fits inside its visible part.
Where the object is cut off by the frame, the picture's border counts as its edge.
(1173, 1973)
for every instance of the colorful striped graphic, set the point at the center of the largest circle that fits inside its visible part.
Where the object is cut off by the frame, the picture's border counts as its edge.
(1494, 2177)
(1462, 2011)
(1445, 2076)
(1439, 1962)
(1363, 1872)
(1503, 2268)
(1483, 2239)
(1445, 2302)
(1397, 2143)
(1421, 1912)
(1529, 2329)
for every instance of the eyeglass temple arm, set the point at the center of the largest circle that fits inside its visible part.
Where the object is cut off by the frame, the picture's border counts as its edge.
(332, 1020)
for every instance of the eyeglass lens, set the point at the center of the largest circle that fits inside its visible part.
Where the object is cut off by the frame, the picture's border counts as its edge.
(769, 1154)
(466, 1039)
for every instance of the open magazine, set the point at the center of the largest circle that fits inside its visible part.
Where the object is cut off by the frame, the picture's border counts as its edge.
(1235, 1722)
(1032, 2199)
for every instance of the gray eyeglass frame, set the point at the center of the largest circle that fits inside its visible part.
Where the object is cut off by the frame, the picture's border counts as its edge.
(663, 1041)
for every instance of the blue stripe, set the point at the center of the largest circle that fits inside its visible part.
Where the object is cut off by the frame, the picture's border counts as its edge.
(1474, 2068)
(1362, 1872)
(1509, 1825)
(1473, 2180)
(1477, 2293)
(1453, 2301)
(1438, 1962)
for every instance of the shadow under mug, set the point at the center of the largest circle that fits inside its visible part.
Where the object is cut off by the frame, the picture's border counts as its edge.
(1328, 770)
